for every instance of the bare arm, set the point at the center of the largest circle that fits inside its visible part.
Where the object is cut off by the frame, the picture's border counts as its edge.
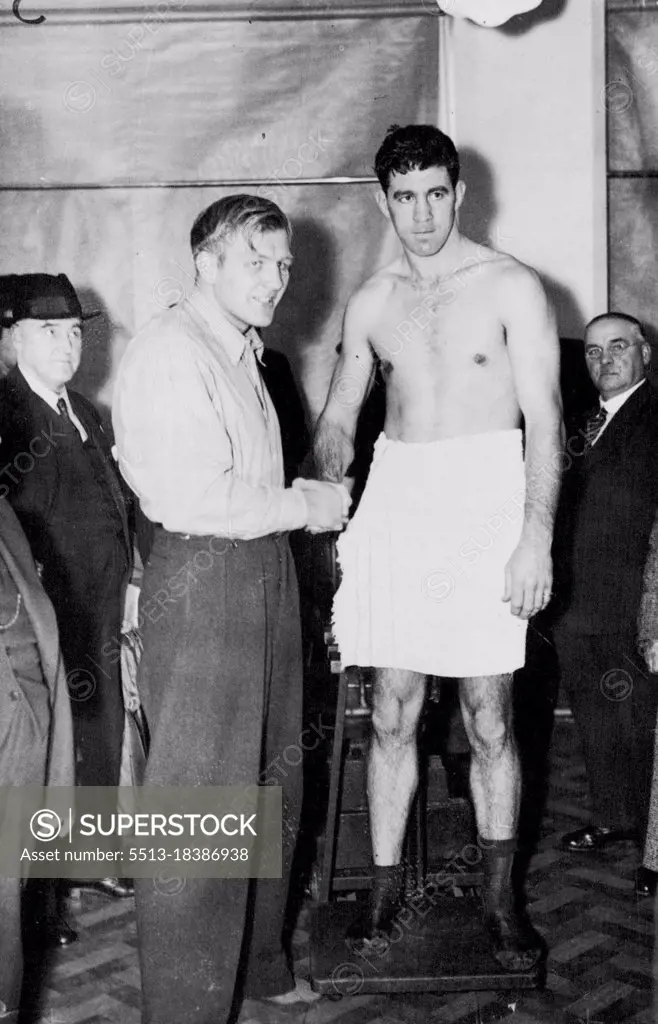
(333, 442)
(534, 353)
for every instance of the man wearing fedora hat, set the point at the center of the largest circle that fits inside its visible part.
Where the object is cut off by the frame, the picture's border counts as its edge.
(57, 471)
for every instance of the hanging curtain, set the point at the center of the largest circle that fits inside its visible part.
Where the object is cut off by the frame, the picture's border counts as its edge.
(115, 132)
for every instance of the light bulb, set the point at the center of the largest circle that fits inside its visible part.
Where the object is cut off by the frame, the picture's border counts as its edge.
(489, 13)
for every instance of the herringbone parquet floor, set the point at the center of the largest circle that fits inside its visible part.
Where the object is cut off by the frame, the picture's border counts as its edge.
(600, 938)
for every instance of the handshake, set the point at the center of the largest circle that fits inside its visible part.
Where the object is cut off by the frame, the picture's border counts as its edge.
(328, 504)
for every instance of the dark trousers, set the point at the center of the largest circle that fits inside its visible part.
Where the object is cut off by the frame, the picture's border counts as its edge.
(88, 592)
(221, 683)
(24, 729)
(613, 698)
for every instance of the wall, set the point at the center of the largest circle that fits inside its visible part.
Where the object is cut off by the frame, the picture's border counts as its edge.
(633, 163)
(527, 107)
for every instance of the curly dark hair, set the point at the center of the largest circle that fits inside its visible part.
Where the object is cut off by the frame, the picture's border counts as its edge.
(415, 148)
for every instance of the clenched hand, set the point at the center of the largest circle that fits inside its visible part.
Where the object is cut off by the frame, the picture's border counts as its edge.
(529, 577)
(328, 505)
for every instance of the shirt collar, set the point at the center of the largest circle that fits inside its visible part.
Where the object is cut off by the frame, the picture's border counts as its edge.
(51, 397)
(233, 340)
(613, 405)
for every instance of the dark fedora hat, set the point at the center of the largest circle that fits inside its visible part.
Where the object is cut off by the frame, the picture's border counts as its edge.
(39, 297)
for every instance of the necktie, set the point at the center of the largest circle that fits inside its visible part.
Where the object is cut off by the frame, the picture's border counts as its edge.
(63, 411)
(594, 426)
(252, 349)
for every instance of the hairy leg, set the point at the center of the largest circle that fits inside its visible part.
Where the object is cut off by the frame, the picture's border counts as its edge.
(393, 761)
(486, 703)
(392, 779)
(496, 789)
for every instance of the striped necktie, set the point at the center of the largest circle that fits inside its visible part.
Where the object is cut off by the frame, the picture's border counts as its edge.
(594, 426)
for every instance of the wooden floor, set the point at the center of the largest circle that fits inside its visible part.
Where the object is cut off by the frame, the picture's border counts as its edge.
(600, 938)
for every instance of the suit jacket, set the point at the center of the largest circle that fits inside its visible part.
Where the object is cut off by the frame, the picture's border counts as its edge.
(280, 382)
(648, 630)
(58, 759)
(32, 462)
(607, 510)
(648, 617)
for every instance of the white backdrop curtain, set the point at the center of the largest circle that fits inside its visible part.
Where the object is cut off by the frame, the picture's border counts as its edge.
(114, 133)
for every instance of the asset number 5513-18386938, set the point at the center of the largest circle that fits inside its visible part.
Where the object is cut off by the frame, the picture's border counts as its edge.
(188, 853)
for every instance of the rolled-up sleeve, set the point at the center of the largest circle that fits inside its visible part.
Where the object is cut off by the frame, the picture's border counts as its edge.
(179, 451)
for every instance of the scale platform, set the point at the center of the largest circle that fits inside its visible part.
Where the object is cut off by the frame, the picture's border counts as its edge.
(445, 950)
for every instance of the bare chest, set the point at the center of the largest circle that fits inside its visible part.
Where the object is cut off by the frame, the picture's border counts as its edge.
(441, 331)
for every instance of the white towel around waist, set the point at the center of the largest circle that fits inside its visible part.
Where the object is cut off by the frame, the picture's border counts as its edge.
(423, 561)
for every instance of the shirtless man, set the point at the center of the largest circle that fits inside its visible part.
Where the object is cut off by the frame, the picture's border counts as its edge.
(448, 555)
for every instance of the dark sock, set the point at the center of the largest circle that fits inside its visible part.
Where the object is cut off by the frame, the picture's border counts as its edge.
(516, 945)
(497, 863)
(385, 893)
(384, 902)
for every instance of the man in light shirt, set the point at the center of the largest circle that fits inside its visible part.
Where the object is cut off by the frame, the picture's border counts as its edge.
(221, 674)
(609, 503)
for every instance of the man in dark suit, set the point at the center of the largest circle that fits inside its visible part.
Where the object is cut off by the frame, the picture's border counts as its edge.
(61, 479)
(609, 501)
(36, 745)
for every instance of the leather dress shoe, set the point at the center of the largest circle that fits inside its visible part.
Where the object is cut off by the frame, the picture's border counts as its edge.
(119, 888)
(61, 934)
(54, 934)
(301, 994)
(594, 837)
(646, 882)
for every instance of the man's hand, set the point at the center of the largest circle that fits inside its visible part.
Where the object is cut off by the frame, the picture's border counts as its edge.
(649, 650)
(328, 505)
(529, 577)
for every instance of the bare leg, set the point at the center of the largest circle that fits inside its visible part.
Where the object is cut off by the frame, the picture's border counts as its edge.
(393, 762)
(392, 780)
(496, 788)
(486, 703)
